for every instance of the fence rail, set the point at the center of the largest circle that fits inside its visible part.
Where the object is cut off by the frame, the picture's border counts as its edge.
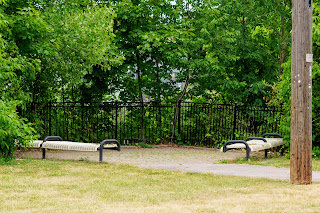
(197, 123)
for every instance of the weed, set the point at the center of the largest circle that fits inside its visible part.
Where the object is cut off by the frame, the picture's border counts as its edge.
(144, 145)
(223, 161)
(85, 159)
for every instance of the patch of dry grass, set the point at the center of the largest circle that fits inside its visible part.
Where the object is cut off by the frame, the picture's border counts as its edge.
(68, 186)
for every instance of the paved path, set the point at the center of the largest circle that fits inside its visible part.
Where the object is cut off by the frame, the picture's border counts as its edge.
(202, 160)
(232, 169)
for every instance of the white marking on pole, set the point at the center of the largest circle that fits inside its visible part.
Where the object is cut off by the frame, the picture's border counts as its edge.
(309, 58)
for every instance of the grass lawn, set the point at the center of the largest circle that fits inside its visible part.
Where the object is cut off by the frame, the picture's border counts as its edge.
(73, 186)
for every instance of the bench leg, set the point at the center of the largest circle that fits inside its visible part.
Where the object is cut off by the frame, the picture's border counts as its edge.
(282, 150)
(43, 153)
(225, 149)
(101, 147)
(248, 153)
(100, 155)
(266, 153)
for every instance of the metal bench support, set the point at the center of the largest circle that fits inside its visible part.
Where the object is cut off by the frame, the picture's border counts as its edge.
(225, 149)
(46, 139)
(107, 141)
(260, 138)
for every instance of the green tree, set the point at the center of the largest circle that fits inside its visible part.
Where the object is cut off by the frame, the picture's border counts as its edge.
(188, 56)
(248, 42)
(21, 27)
(144, 32)
(80, 44)
(148, 36)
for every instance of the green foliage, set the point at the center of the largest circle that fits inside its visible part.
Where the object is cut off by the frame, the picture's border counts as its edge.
(146, 32)
(230, 51)
(283, 97)
(78, 53)
(20, 26)
(243, 48)
(138, 49)
(23, 35)
(14, 132)
(144, 145)
(316, 152)
(83, 38)
(316, 75)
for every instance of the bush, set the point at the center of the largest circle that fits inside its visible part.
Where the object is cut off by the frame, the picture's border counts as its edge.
(316, 152)
(14, 131)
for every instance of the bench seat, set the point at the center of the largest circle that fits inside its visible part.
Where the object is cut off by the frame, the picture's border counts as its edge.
(35, 143)
(68, 145)
(56, 142)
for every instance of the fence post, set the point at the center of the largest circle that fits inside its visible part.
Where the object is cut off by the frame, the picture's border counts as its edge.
(159, 129)
(82, 118)
(179, 117)
(116, 130)
(49, 110)
(234, 121)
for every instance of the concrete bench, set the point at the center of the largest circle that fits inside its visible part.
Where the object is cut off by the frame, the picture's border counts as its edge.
(255, 143)
(56, 142)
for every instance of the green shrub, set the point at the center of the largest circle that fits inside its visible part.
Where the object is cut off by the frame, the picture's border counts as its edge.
(14, 131)
(316, 152)
(144, 145)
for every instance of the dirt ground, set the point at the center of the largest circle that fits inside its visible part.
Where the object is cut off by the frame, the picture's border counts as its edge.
(138, 156)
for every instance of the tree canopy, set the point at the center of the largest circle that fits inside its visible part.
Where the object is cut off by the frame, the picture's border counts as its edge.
(145, 50)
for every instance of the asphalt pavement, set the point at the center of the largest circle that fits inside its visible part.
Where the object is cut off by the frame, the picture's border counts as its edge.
(231, 169)
(176, 159)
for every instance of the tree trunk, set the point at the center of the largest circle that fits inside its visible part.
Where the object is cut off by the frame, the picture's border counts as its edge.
(140, 92)
(141, 105)
(178, 102)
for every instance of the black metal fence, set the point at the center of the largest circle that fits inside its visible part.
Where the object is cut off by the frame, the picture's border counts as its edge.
(197, 123)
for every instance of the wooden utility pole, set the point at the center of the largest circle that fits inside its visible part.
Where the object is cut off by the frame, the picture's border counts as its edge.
(301, 93)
